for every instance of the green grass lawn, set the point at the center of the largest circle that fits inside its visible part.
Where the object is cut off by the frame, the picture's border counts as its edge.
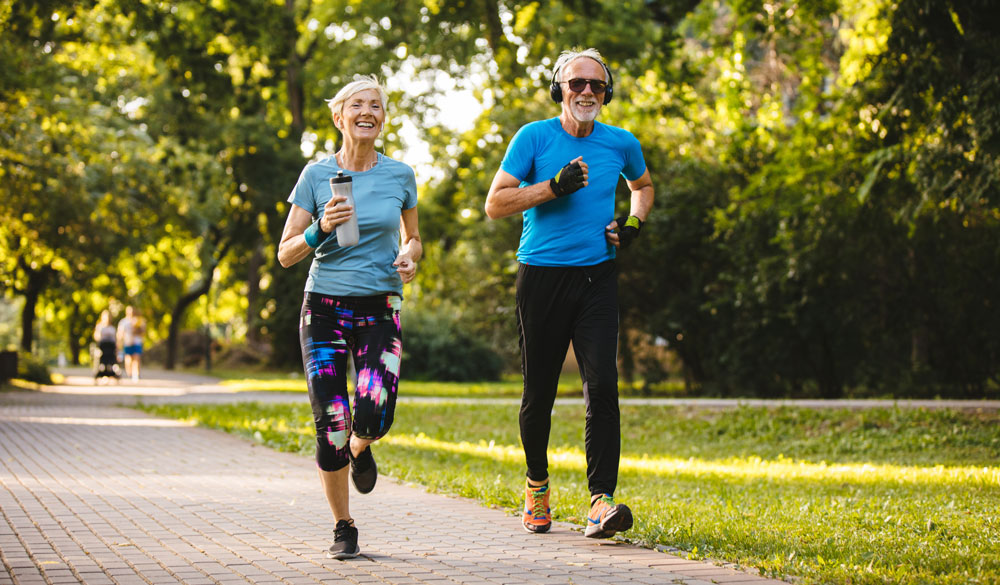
(509, 387)
(295, 382)
(859, 497)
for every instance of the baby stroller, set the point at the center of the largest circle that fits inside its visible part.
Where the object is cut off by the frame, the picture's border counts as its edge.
(105, 359)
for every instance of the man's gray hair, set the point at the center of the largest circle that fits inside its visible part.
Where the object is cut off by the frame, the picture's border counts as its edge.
(360, 83)
(568, 57)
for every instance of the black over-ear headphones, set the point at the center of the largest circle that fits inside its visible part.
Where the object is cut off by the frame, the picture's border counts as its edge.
(555, 90)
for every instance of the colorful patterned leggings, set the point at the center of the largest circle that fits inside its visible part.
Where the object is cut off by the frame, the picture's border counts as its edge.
(368, 329)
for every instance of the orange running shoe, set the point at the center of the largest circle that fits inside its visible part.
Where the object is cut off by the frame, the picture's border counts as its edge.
(537, 516)
(607, 518)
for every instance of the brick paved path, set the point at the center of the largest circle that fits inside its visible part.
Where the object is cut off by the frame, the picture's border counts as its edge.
(93, 493)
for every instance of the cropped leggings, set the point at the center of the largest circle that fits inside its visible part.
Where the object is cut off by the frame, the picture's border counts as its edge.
(367, 329)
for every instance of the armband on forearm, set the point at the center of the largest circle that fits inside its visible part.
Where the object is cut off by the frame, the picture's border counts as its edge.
(315, 235)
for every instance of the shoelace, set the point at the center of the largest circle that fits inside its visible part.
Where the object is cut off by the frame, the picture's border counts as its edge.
(538, 502)
(608, 502)
(341, 531)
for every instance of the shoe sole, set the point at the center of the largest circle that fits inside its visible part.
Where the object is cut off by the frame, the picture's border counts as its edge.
(618, 520)
(537, 529)
(343, 556)
(374, 472)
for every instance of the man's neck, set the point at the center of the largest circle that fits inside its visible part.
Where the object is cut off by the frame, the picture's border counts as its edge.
(574, 127)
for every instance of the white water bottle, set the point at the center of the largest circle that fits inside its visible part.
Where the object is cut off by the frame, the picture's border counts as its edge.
(347, 232)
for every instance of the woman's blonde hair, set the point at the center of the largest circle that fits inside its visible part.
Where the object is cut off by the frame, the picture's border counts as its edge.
(360, 83)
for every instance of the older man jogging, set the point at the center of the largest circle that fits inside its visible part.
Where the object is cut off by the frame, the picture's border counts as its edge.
(561, 174)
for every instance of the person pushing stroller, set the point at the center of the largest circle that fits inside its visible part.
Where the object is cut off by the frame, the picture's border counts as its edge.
(106, 336)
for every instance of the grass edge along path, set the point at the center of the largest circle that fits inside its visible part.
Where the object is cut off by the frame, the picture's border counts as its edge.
(831, 497)
(509, 387)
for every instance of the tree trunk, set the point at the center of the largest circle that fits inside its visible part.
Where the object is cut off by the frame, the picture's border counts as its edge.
(74, 336)
(830, 385)
(28, 321)
(293, 80)
(212, 254)
(34, 288)
(177, 315)
(626, 357)
(253, 293)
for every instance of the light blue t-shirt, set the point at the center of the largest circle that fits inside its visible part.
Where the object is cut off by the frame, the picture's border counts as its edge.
(380, 194)
(569, 230)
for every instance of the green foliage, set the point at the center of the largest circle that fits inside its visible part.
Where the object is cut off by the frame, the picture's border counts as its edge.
(438, 347)
(32, 369)
(935, 92)
(819, 496)
(827, 171)
(795, 225)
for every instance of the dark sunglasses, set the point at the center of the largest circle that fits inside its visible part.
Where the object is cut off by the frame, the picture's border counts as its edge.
(579, 84)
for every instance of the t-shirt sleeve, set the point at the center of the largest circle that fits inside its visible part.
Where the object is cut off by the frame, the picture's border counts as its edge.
(303, 194)
(635, 164)
(520, 154)
(409, 188)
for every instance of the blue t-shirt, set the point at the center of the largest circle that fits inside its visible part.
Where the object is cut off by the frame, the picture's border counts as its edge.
(380, 194)
(569, 230)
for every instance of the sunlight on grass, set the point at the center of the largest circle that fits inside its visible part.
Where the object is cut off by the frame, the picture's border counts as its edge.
(266, 385)
(506, 389)
(732, 468)
(509, 387)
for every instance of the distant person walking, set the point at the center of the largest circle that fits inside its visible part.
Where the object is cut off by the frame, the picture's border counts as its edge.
(107, 347)
(353, 294)
(561, 175)
(130, 331)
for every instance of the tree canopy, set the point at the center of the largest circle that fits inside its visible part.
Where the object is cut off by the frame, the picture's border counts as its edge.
(827, 218)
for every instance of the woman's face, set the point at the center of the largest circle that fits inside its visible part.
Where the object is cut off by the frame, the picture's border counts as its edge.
(362, 117)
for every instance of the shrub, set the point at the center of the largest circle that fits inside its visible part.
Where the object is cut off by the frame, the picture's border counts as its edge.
(437, 347)
(191, 347)
(33, 369)
(239, 355)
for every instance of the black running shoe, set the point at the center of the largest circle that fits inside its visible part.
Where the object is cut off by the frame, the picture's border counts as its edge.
(364, 472)
(345, 541)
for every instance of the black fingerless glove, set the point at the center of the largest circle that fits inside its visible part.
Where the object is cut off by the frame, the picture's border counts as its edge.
(628, 230)
(567, 180)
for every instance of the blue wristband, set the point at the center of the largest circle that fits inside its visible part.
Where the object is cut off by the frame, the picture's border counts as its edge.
(315, 235)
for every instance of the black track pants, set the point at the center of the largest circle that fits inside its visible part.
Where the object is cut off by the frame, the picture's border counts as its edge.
(556, 305)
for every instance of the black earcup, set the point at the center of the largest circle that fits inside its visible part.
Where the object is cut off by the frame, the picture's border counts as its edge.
(609, 92)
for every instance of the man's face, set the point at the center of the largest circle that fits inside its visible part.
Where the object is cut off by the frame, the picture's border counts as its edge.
(582, 105)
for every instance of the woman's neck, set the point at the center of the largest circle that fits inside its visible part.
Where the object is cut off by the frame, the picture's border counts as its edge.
(357, 157)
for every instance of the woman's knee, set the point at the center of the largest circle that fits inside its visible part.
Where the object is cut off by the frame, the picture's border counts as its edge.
(333, 423)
